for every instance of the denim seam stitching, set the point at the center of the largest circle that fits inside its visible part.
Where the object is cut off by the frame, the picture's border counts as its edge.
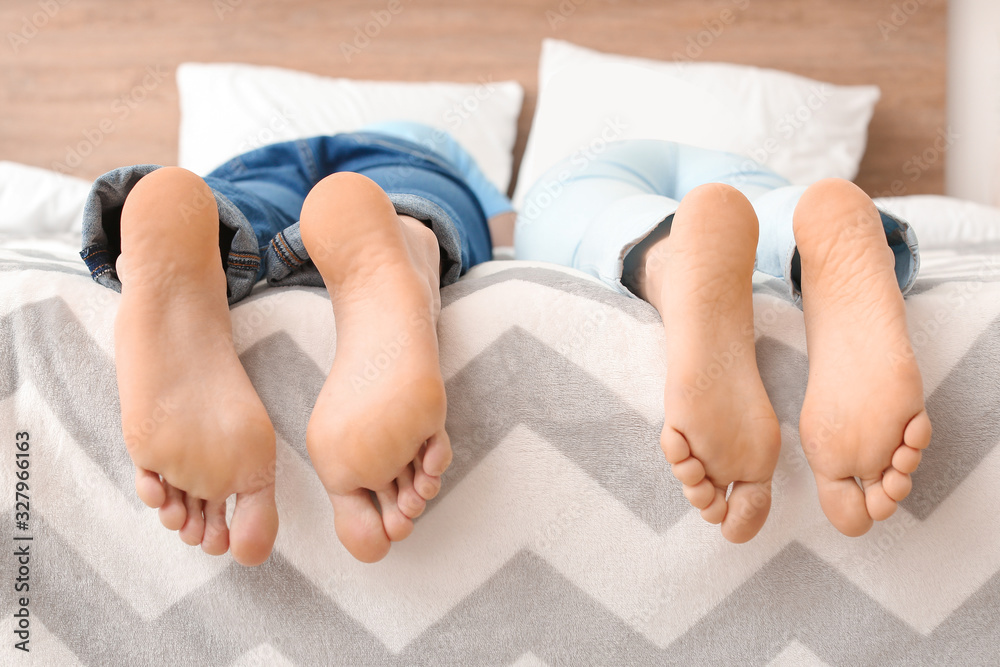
(288, 248)
(281, 254)
(243, 261)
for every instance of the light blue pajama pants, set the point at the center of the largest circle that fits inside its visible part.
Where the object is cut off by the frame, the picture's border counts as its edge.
(589, 212)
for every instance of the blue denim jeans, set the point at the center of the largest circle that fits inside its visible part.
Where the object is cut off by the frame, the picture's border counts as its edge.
(259, 195)
(590, 213)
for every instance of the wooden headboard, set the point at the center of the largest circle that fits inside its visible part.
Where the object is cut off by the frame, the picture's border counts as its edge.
(71, 67)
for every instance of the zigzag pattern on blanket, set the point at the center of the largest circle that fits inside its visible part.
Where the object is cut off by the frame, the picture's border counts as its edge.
(241, 610)
(559, 537)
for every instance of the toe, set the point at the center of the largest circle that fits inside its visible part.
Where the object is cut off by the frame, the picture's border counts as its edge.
(674, 446)
(918, 431)
(173, 512)
(216, 539)
(438, 455)
(359, 526)
(843, 502)
(880, 506)
(254, 526)
(716, 512)
(398, 526)
(689, 472)
(906, 459)
(749, 504)
(149, 488)
(897, 484)
(410, 503)
(426, 485)
(193, 529)
(701, 494)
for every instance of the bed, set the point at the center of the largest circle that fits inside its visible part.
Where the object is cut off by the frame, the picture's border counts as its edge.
(560, 537)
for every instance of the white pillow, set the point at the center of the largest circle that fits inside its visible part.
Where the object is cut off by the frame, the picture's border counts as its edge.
(801, 128)
(228, 109)
(34, 200)
(944, 222)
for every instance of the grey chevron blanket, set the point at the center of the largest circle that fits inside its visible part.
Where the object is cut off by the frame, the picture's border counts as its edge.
(559, 537)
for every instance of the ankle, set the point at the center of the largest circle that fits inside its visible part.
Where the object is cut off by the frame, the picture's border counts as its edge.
(422, 239)
(645, 275)
(644, 265)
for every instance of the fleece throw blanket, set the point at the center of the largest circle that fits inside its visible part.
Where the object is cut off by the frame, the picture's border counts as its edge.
(559, 538)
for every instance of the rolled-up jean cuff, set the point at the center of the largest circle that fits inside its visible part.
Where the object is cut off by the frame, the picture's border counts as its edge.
(902, 240)
(441, 223)
(109, 193)
(905, 249)
(623, 225)
(283, 261)
(286, 261)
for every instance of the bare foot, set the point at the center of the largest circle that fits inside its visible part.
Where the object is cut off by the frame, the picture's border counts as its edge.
(378, 423)
(863, 415)
(189, 413)
(719, 427)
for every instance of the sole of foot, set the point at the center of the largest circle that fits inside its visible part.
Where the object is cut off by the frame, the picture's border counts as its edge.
(376, 436)
(719, 428)
(863, 416)
(193, 423)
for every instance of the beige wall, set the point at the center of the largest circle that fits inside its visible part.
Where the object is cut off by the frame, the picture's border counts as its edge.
(973, 165)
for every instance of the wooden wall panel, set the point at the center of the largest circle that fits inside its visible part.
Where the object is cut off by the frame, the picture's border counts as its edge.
(97, 76)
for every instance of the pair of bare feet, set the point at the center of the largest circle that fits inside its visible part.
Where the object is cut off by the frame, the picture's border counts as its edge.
(193, 423)
(863, 417)
(198, 433)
